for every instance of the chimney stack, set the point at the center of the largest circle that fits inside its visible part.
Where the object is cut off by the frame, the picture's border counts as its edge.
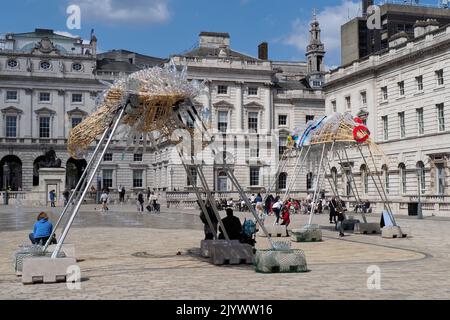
(263, 51)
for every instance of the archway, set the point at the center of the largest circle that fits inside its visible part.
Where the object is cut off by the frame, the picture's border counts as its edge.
(74, 171)
(11, 173)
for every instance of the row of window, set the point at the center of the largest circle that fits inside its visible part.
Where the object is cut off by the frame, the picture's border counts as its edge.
(137, 157)
(439, 78)
(138, 178)
(44, 65)
(222, 179)
(440, 115)
(223, 90)
(13, 96)
(11, 124)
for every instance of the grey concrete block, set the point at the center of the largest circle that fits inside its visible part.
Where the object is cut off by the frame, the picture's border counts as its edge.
(280, 261)
(306, 235)
(367, 228)
(206, 244)
(393, 232)
(46, 270)
(275, 231)
(231, 253)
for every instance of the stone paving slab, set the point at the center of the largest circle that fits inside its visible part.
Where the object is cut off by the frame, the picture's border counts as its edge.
(121, 261)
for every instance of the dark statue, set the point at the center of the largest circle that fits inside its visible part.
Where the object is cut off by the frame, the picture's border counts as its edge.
(51, 161)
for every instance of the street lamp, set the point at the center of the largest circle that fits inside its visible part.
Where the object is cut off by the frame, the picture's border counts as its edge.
(419, 185)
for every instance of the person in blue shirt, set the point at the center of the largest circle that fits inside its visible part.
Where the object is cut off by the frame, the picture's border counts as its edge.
(52, 198)
(42, 229)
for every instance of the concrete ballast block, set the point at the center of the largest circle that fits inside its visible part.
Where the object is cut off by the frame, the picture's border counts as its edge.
(46, 270)
(275, 231)
(367, 228)
(306, 235)
(393, 232)
(231, 253)
(206, 244)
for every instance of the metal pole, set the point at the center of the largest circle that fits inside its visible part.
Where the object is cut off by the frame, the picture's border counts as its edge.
(91, 178)
(317, 185)
(297, 170)
(79, 185)
(419, 184)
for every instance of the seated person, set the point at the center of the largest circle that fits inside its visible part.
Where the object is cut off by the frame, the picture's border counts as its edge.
(232, 225)
(366, 206)
(42, 230)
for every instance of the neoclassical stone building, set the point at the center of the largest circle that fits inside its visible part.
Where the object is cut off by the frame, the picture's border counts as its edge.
(49, 84)
(404, 90)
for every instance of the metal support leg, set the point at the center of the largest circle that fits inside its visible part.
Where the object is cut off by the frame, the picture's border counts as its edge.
(317, 186)
(91, 178)
(78, 187)
(297, 169)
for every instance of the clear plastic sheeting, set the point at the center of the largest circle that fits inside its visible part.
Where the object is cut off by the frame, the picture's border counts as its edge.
(149, 95)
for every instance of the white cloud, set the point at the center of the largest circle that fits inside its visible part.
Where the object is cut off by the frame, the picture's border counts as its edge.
(330, 18)
(130, 11)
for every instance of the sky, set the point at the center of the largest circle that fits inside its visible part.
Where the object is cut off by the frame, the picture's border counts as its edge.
(161, 28)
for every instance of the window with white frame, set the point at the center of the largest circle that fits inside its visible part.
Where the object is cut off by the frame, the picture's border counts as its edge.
(420, 122)
(440, 77)
(44, 127)
(401, 88)
(309, 118)
(441, 117)
(440, 176)
(193, 172)
(253, 91)
(419, 83)
(384, 93)
(282, 120)
(253, 122)
(108, 157)
(333, 106)
(107, 178)
(402, 174)
(137, 157)
(385, 127)
(363, 97)
(254, 176)
(76, 121)
(138, 178)
(282, 181)
(348, 103)
(222, 124)
(11, 126)
(77, 98)
(44, 96)
(11, 95)
(421, 176)
(401, 122)
(282, 146)
(221, 89)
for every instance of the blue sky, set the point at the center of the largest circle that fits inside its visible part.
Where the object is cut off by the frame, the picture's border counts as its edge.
(164, 27)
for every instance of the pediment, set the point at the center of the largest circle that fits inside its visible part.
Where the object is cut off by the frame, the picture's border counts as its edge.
(77, 111)
(12, 110)
(44, 111)
(254, 105)
(223, 104)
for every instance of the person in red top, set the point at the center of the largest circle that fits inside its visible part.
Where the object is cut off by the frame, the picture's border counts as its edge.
(285, 216)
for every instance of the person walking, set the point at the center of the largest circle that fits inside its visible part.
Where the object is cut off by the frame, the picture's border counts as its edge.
(66, 195)
(276, 208)
(52, 198)
(140, 202)
(332, 206)
(104, 200)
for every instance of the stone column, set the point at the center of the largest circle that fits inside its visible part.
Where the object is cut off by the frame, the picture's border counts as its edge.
(268, 107)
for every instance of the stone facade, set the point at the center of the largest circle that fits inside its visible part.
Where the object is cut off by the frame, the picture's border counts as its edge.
(405, 93)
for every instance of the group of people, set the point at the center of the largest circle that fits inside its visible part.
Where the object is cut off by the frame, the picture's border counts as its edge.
(244, 232)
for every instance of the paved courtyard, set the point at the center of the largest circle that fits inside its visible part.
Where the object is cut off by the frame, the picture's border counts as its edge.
(127, 255)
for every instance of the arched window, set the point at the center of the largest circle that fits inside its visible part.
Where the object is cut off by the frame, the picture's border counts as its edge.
(282, 181)
(421, 176)
(386, 178)
(364, 179)
(11, 173)
(402, 176)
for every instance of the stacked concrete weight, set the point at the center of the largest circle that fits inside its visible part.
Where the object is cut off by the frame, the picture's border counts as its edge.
(280, 261)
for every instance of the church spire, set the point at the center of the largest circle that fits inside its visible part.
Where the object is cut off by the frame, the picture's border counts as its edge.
(315, 53)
